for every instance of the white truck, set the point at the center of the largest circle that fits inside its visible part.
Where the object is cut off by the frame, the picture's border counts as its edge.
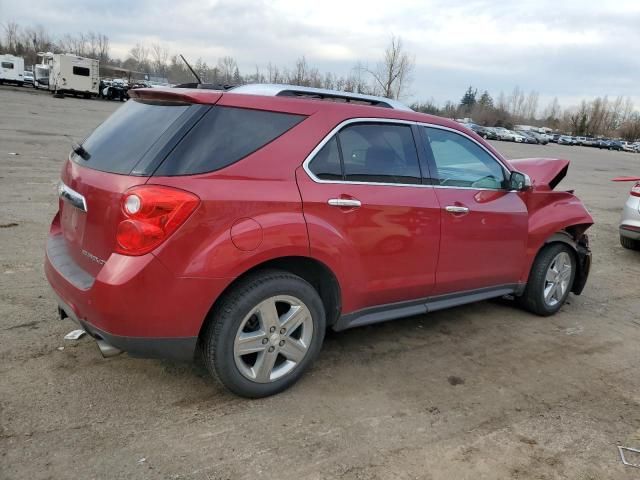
(11, 69)
(71, 74)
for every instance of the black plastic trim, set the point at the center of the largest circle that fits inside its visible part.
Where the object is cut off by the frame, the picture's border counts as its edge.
(583, 265)
(410, 308)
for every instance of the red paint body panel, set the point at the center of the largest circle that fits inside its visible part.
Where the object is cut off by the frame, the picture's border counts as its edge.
(138, 297)
(484, 247)
(386, 251)
(399, 245)
(93, 231)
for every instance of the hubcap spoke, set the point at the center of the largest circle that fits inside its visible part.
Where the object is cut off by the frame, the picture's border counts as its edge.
(250, 343)
(269, 314)
(548, 292)
(293, 350)
(291, 320)
(264, 365)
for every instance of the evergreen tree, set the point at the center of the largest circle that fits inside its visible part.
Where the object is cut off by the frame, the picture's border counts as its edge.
(468, 99)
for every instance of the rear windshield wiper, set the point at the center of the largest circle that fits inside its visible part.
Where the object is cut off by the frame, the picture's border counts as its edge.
(80, 151)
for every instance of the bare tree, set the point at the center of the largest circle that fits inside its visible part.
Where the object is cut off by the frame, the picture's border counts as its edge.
(11, 30)
(160, 56)
(393, 73)
(227, 67)
(140, 56)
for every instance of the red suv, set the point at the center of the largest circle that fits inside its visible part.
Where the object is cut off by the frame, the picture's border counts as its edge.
(243, 224)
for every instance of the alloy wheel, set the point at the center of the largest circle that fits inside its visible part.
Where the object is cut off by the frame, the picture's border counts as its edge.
(273, 338)
(557, 279)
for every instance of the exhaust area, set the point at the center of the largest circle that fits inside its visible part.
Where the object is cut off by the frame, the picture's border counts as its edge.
(107, 350)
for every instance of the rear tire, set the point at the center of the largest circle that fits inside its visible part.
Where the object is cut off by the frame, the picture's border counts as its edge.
(629, 243)
(278, 319)
(550, 280)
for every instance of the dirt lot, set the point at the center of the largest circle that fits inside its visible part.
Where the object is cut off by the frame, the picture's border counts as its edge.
(482, 391)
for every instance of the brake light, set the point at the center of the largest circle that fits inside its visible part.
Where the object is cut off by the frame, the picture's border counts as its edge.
(635, 190)
(151, 214)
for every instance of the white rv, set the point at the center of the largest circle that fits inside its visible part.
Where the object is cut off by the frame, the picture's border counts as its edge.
(11, 69)
(70, 74)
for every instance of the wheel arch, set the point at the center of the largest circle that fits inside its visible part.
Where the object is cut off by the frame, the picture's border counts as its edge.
(318, 274)
(573, 236)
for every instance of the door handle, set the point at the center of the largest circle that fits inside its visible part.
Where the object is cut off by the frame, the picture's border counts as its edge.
(456, 209)
(344, 202)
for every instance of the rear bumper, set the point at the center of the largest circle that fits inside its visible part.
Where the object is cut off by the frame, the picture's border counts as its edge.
(141, 347)
(134, 303)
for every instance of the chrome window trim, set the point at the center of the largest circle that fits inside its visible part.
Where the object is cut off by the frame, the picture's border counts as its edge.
(344, 123)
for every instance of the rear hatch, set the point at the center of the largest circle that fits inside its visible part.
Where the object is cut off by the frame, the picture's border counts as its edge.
(122, 152)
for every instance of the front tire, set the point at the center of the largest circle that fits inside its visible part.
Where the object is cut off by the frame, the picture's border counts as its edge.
(550, 280)
(264, 334)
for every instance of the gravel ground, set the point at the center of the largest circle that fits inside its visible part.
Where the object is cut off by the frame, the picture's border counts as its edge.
(481, 391)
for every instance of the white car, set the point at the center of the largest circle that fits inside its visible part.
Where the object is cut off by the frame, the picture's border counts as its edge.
(628, 147)
(630, 221)
(508, 135)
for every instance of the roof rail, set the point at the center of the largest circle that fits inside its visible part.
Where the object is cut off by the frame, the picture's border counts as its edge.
(276, 90)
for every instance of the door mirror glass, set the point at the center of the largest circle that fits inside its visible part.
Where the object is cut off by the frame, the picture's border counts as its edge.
(519, 181)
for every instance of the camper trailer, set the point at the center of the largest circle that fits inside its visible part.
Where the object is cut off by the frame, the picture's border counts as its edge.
(11, 69)
(41, 76)
(72, 75)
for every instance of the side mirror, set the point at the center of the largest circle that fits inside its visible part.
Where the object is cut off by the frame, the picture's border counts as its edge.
(519, 181)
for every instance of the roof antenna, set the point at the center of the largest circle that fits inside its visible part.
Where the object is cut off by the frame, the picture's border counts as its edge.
(192, 70)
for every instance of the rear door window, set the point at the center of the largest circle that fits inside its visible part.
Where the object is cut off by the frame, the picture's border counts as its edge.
(371, 153)
(326, 164)
(224, 136)
(119, 143)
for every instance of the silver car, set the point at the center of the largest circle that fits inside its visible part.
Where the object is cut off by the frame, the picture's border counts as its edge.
(630, 222)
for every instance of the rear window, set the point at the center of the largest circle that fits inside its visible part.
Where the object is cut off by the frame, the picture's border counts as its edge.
(223, 136)
(119, 143)
(82, 71)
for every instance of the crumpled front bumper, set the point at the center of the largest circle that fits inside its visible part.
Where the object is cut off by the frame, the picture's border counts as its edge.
(583, 265)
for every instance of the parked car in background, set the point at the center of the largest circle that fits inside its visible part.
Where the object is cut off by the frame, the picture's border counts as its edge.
(243, 224)
(541, 137)
(554, 137)
(589, 142)
(535, 136)
(517, 137)
(503, 134)
(615, 145)
(27, 78)
(487, 133)
(528, 137)
(630, 222)
(627, 146)
(565, 140)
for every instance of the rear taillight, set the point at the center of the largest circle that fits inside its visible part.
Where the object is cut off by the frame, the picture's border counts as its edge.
(635, 190)
(151, 214)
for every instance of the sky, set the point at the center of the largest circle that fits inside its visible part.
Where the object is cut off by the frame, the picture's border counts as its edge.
(569, 49)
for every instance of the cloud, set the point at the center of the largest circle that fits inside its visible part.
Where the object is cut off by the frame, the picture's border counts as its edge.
(570, 49)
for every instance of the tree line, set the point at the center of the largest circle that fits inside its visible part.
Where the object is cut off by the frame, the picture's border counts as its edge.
(390, 77)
